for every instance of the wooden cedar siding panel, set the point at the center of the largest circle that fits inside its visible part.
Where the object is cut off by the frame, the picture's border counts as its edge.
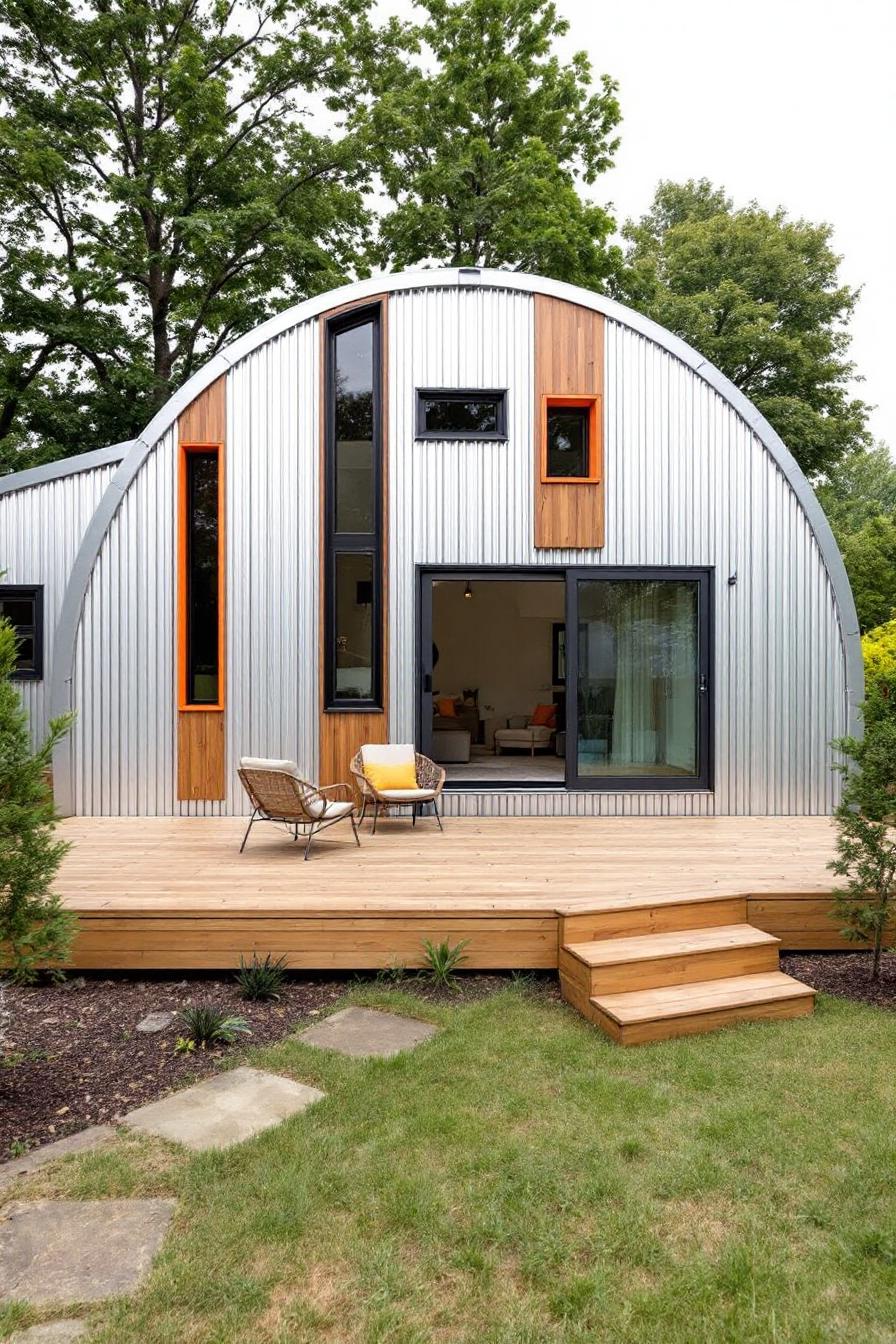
(343, 732)
(201, 774)
(569, 358)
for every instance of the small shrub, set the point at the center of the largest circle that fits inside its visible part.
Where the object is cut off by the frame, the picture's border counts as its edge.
(261, 979)
(209, 1026)
(442, 960)
(393, 974)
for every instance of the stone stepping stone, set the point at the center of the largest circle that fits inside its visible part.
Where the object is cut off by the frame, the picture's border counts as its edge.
(223, 1110)
(154, 1022)
(39, 1157)
(362, 1032)
(51, 1332)
(54, 1252)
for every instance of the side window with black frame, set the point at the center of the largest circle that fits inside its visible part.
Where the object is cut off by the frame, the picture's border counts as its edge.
(457, 413)
(23, 606)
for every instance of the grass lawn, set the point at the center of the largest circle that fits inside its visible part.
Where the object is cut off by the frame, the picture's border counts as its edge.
(520, 1180)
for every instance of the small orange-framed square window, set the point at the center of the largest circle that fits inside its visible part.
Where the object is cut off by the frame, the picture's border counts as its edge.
(570, 439)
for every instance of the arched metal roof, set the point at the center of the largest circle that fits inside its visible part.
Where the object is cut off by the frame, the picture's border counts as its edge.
(139, 449)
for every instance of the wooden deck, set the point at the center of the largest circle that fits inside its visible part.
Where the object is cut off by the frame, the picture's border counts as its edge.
(167, 893)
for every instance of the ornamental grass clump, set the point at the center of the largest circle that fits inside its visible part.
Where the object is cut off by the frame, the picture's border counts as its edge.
(259, 979)
(442, 960)
(210, 1026)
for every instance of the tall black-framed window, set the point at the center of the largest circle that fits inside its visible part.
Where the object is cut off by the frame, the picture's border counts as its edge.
(22, 604)
(353, 511)
(458, 413)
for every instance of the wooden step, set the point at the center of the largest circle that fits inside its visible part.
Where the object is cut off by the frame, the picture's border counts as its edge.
(683, 1010)
(639, 915)
(647, 961)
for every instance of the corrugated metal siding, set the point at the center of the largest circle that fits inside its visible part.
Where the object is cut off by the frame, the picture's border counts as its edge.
(687, 483)
(41, 528)
(125, 744)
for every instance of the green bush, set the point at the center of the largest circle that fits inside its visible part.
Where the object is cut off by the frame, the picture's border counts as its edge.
(34, 927)
(879, 652)
(866, 833)
(442, 960)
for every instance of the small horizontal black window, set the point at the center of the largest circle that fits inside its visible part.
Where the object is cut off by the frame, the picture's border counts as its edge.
(23, 606)
(461, 414)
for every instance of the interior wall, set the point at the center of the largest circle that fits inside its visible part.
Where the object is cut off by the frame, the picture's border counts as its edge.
(498, 641)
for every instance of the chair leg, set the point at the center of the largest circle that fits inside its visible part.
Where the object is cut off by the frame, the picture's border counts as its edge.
(308, 841)
(435, 808)
(413, 814)
(355, 826)
(376, 812)
(248, 829)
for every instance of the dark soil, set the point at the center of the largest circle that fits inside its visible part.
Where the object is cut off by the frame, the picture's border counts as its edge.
(72, 1056)
(846, 974)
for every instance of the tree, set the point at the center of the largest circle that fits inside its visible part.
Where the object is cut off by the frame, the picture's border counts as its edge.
(167, 181)
(758, 295)
(879, 653)
(34, 928)
(487, 151)
(870, 559)
(866, 837)
(859, 487)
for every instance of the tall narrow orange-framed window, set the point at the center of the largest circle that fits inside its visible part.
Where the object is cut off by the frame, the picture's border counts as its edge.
(572, 451)
(201, 577)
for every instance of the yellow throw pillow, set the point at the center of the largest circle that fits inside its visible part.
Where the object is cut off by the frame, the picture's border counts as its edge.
(400, 776)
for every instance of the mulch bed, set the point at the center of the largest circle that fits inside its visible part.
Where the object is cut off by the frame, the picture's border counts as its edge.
(846, 974)
(72, 1056)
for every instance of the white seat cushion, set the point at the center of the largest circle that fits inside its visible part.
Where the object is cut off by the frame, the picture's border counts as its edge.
(388, 753)
(527, 735)
(407, 795)
(327, 811)
(260, 763)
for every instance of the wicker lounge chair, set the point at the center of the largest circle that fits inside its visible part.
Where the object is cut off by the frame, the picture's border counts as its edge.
(279, 794)
(430, 778)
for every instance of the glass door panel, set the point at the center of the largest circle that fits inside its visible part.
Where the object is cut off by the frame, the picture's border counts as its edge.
(640, 702)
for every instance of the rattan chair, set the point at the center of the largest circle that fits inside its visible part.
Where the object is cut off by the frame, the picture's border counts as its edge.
(279, 794)
(430, 779)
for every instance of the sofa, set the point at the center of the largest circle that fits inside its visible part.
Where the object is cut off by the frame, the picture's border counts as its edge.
(521, 734)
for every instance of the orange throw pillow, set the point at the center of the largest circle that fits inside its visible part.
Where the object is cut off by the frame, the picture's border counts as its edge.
(545, 716)
(446, 708)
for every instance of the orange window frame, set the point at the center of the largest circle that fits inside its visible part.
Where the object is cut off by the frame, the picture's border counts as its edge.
(595, 438)
(183, 704)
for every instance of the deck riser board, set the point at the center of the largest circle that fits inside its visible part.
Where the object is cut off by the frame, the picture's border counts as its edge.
(683, 970)
(627, 922)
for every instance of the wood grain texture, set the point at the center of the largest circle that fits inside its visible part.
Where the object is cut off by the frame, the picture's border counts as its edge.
(569, 359)
(201, 772)
(200, 756)
(162, 882)
(343, 732)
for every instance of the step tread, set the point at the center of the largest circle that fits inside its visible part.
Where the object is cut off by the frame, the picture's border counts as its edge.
(680, 942)
(705, 996)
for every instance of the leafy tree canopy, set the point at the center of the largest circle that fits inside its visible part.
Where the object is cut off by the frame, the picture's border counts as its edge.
(488, 142)
(879, 653)
(171, 172)
(759, 295)
(861, 486)
(870, 559)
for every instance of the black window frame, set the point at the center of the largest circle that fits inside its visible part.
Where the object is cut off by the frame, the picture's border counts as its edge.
(339, 543)
(498, 395)
(29, 592)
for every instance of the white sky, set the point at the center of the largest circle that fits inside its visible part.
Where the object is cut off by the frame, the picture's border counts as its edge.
(788, 102)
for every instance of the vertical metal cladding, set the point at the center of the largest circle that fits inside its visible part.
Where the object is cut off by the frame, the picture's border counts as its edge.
(687, 483)
(41, 527)
(125, 743)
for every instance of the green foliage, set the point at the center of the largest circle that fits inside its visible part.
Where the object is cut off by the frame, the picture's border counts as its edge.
(758, 294)
(34, 928)
(859, 497)
(866, 835)
(171, 173)
(206, 1025)
(442, 960)
(870, 559)
(879, 653)
(261, 979)
(487, 144)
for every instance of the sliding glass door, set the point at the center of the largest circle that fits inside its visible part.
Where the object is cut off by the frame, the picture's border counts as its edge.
(638, 679)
